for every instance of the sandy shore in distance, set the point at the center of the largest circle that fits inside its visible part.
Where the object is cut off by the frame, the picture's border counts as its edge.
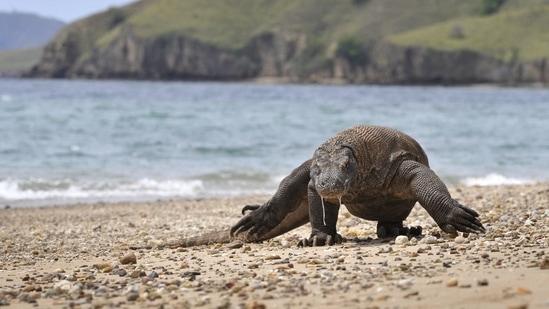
(70, 257)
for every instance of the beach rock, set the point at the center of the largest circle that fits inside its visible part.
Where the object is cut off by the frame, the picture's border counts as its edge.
(482, 282)
(132, 296)
(138, 274)
(235, 244)
(122, 272)
(429, 240)
(401, 240)
(452, 282)
(129, 258)
(544, 264)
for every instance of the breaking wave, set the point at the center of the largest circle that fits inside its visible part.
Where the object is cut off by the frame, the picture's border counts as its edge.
(40, 191)
(496, 179)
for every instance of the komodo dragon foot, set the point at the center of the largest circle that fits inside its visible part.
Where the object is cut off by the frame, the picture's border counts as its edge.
(393, 229)
(320, 239)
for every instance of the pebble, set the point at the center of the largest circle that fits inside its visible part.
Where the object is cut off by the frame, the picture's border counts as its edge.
(429, 240)
(133, 296)
(401, 240)
(482, 282)
(138, 273)
(460, 240)
(544, 264)
(129, 258)
(122, 272)
(452, 282)
(235, 244)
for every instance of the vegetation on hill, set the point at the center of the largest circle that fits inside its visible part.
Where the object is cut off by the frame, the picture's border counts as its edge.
(511, 35)
(14, 62)
(231, 24)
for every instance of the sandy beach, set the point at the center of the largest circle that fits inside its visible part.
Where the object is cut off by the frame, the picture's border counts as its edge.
(78, 257)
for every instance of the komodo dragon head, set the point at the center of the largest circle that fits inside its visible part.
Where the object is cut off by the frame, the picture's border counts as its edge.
(333, 170)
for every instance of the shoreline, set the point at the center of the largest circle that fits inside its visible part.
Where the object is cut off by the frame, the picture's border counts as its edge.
(70, 255)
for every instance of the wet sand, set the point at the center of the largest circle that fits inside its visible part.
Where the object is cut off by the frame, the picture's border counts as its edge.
(78, 257)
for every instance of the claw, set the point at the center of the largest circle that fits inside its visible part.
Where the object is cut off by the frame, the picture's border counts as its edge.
(315, 241)
(450, 229)
(303, 243)
(249, 208)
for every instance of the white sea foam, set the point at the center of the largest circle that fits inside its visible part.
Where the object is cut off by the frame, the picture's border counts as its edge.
(495, 179)
(19, 191)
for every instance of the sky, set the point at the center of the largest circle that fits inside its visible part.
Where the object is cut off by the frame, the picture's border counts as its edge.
(64, 10)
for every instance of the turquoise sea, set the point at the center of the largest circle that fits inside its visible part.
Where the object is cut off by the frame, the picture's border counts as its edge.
(68, 141)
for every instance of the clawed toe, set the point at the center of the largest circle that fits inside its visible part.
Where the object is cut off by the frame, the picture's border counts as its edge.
(316, 241)
(385, 231)
(249, 208)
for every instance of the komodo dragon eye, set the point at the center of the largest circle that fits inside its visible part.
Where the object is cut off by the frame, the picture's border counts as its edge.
(344, 162)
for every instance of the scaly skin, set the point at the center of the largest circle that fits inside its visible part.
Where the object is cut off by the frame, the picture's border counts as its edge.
(378, 173)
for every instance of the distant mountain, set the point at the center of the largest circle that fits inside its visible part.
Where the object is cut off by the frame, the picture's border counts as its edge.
(23, 31)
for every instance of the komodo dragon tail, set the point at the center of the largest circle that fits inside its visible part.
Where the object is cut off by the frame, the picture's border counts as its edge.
(214, 237)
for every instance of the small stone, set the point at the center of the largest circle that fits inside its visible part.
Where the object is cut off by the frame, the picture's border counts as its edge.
(100, 266)
(122, 272)
(255, 305)
(523, 291)
(172, 287)
(460, 240)
(107, 269)
(452, 282)
(430, 240)
(138, 273)
(133, 296)
(544, 264)
(235, 244)
(302, 260)
(482, 282)
(153, 274)
(405, 283)
(401, 240)
(28, 288)
(129, 258)
(285, 244)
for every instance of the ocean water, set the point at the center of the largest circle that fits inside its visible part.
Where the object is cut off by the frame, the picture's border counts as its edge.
(67, 141)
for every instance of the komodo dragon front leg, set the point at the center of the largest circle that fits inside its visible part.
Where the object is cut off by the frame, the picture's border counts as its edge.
(285, 211)
(433, 195)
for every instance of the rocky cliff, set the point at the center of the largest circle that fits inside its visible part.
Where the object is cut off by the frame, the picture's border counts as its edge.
(279, 56)
(278, 53)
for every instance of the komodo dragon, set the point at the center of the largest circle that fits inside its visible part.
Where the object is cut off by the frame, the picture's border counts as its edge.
(378, 173)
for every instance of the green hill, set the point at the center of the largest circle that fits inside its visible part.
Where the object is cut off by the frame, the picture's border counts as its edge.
(14, 62)
(380, 41)
(513, 35)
